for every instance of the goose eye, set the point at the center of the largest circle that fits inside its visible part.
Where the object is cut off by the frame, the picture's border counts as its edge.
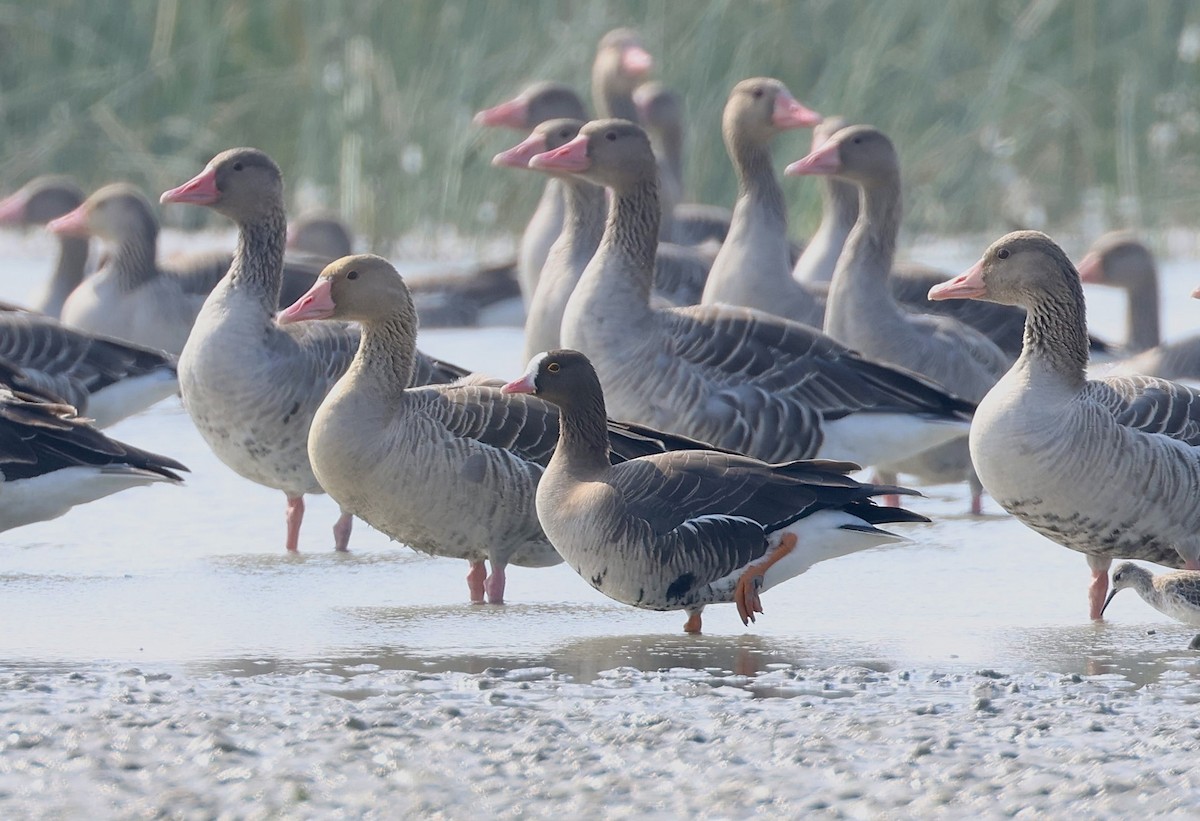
(553, 367)
(237, 166)
(1002, 253)
(758, 92)
(857, 141)
(352, 275)
(611, 136)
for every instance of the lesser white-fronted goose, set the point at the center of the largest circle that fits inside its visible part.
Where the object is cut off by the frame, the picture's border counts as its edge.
(1107, 467)
(133, 296)
(251, 386)
(448, 469)
(754, 266)
(1120, 260)
(862, 313)
(105, 379)
(39, 201)
(743, 380)
(51, 460)
(678, 531)
(533, 106)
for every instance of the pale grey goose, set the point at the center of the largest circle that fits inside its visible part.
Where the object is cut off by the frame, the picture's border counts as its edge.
(1120, 260)
(39, 201)
(533, 106)
(862, 313)
(105, 379)
(678, 531)
(1107, 467)
(743, 380)
(448, 469)
(250, 386)
(51, 461)
(134, 296)
(754, 266)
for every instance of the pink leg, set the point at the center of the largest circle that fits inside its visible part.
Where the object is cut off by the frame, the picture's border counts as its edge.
(1191, 564)
(693, 623)
(887, 478)
(295, 515)
(495, 584)
(976, 502)
(1099, 585)
(475, 582)
(341, 531)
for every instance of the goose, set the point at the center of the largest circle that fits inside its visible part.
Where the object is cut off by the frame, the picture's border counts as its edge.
(754, 266)
(321, 235)
(660, 112)
(681, 530)
(51, 461)
(739, 379)
(1119, 260)
(133, 296)
(251, 386)
(533, 106)
(105, 379)
(861, 312)
(1107, 467)
(679, 271)
(447, 469)
(39, 201)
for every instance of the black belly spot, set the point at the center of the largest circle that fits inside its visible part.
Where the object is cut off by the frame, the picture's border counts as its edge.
(681, 586)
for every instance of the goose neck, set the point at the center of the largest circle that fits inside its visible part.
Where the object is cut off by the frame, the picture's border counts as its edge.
(1056, 332)
(257, 267)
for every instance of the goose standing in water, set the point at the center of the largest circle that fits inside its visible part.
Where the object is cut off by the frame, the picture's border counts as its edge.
(862, 314)
(740, 379)
(678, 531)
(39, 201)
(1107, 467)
(447, 469)
(251, 386)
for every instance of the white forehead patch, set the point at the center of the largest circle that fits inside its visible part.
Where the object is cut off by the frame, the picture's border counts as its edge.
(536, 363)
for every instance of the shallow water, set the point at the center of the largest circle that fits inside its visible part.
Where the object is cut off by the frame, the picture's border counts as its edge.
(196, 576)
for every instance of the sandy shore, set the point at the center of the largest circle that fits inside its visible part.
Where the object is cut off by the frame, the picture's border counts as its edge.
(850, 742)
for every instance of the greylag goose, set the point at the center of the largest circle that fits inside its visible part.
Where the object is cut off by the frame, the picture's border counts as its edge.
(39, 201)
(1119, 260)
(740, 379)
(583, 225)
(448, 469)
(51, 461)
(250, 386)
(533, 106)
(754, 266)
(1107, 467)
(621, 65)
(1175, 595)
(660, 112)
(681, 530)
(133, 296)
(105, 379)
(862, 313)
(322, 235)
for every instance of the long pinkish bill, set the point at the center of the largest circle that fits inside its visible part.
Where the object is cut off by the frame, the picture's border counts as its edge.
(511, 114)
(791, 113)
(316, 304)
(825, 160)
(523, 385)
(967, 285)
(71, 224)
(12, 209)
(199, 190)
(571, 157)
(636, 61)
(520, 154)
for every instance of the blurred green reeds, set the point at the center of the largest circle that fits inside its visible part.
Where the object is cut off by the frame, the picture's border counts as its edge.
(1005, 113)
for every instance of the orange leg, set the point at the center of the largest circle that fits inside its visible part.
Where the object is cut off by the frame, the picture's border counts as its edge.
(745, 595)
(692, 625)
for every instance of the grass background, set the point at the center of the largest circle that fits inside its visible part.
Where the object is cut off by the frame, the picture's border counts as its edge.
(1063, 115)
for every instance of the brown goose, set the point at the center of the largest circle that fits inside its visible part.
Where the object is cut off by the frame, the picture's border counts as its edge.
(1119, 260)
(39, 201)
(743, 380)
(1107, 467)
(51, 460)
(862, 313)
(678, 531)
(250, 386)
(133, 296)
(754, 266)
(448, 469)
